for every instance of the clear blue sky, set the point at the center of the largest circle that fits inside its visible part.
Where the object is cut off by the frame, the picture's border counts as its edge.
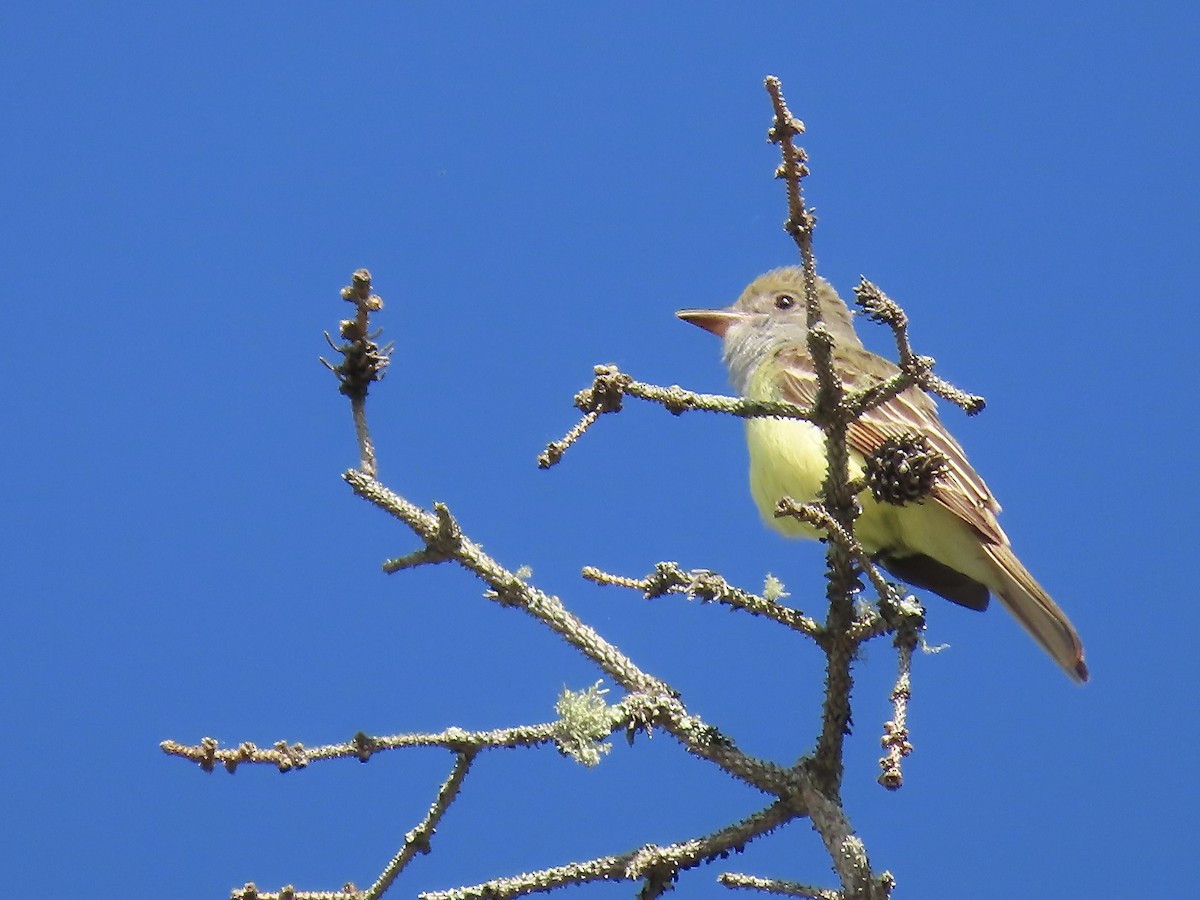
(537, 188)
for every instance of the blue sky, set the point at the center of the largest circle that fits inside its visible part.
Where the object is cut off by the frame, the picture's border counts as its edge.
(536, 188)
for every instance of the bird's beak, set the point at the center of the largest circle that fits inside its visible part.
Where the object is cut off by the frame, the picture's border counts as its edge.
(715, 321)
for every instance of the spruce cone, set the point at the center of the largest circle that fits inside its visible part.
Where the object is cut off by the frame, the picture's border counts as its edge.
(903, 469)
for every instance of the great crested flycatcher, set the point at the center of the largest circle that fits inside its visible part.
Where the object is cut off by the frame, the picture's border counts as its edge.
(950, 542)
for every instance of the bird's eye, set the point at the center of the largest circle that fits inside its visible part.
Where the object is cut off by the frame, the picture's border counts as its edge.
(784, 301)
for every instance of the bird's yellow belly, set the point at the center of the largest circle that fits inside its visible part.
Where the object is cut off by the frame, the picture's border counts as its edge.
(787, 459)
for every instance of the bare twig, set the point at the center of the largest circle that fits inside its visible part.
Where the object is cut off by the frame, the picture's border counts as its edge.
(286, 757)
(845, 848)
(250, 891)
(783, 131)
(829, 416)
(668, 578)
(418, 840)
(817, 515)
(363, 361)
(895, 732)
(914, 369)
(651, 863)
(611, 385)
(895, 740)
(555, 449)
(776, 886)
(506, 588)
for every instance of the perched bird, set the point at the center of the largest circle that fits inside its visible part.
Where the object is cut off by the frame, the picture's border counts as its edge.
(950, 543)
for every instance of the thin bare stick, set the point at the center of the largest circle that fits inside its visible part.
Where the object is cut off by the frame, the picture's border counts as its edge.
(817, 515)
(507, 588)
(651, 862)
(882, 308)
(829, 416)
(669, 578)
(555, 449)
(418, 840)
(895, 732)
(776, 886)
(286, 757)
(611, 385)
(363, 361)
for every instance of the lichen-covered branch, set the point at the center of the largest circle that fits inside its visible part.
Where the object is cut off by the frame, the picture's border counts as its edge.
(738, 880)
(418, 840)
(650, 863)
(506, 588)
(914, 369)
(845, 848)
(895, 742)
(818, 515)
(286, 757)
(363, 361)
(669, 578)
(611, 385)
(830, 416)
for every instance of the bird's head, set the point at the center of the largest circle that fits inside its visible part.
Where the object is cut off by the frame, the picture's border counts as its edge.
(770, 313)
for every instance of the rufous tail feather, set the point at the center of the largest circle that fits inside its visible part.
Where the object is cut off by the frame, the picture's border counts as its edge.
(1037, 613)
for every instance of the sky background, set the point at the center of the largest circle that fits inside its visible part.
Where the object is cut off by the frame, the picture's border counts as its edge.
(537, 188)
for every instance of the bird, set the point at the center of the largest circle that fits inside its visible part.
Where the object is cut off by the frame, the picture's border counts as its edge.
(950, 542)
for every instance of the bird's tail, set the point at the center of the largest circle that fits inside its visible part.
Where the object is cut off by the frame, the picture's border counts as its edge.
(1037, 613)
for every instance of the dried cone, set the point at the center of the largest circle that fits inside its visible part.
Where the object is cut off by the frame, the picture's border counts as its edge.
(903, 469)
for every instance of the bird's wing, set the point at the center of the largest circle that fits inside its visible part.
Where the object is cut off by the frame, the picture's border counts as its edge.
(959, 488)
